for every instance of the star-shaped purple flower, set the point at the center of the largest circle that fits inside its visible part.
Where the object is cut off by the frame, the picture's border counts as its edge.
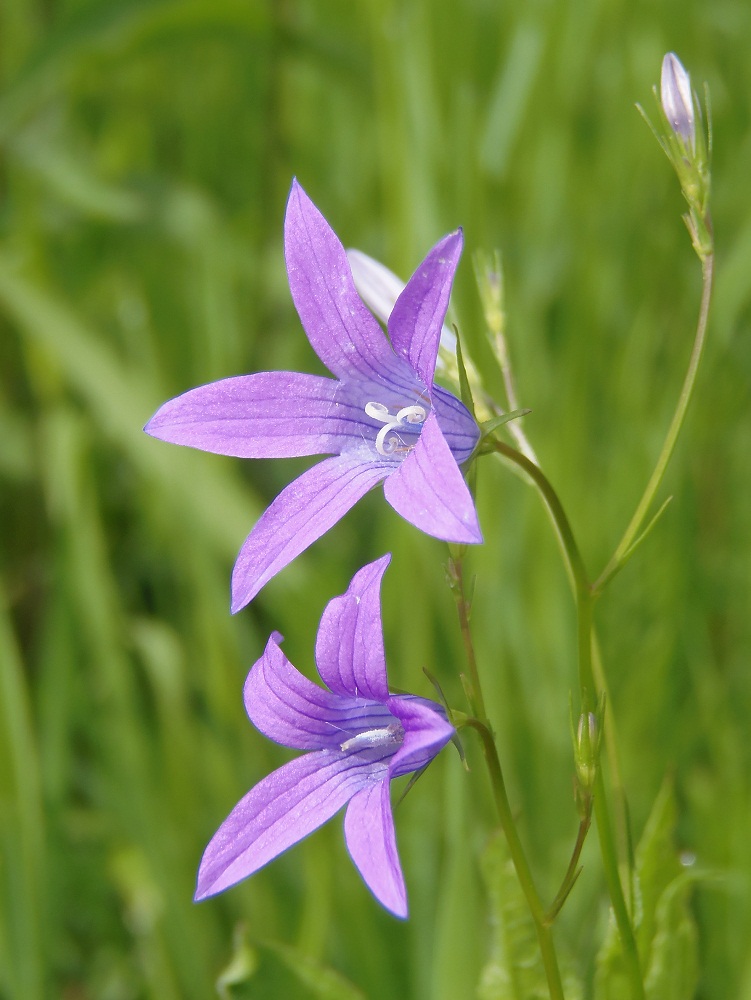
(359, 737)
(381, 417)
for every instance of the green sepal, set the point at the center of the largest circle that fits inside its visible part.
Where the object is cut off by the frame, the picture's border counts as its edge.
(488, 428)
(465, 389)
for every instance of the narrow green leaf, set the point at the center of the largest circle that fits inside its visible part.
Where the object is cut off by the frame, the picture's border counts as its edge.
(323, 981)
(673, 972)
(665, 931)
(22, 854)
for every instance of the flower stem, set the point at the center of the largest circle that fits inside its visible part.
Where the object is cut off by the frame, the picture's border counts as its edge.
(585, 596)
(630, 537)
(482, 725)
(519, 859)
(574, 562)
(473, 687)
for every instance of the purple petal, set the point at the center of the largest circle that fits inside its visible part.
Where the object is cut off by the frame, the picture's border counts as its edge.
(266, 415)
(426, 732)
(429, 491)
(292, 710)
(302, 512)
(456, 422)
(417, 317)
(349, 647)
(341, 330)
(371, 842)
(278, 812)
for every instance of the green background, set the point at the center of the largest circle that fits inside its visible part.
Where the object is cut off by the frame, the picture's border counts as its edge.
(146, 151)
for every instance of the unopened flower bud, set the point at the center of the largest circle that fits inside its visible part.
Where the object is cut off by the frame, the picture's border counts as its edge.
(587, 749)
(677, 99)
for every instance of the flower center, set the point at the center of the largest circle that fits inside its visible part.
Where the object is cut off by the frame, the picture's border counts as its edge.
(389, 441)
(372, 738)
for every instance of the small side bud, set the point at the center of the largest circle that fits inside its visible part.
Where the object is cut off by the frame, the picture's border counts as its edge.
(677, 99)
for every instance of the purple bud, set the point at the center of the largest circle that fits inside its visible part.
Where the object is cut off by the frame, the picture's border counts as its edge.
(677, 100)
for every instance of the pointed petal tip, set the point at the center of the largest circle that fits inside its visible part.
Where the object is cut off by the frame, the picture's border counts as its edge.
(242, 592)
(205, 888)
(401, 912)
(473, 535)
(151, 427)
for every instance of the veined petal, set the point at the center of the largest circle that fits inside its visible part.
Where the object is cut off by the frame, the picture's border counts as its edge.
(278, 812)
(429, 491)
(266, 415)
(371, 842)
(456, 422)
(290, 709)
(341, 330)
(426, 732)
(349, 647)
(416, 320)
(302, 512)
(379, 288)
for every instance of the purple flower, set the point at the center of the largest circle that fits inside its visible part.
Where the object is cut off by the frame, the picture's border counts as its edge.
(359, 737)
(381, 417)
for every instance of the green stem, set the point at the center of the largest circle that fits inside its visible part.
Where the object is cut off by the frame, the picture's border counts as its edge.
(615, 889)
(474, 689)
(571, 552)
(519, 859)
(585, 597)
(629, 539)
(482, 725)
(573, 871)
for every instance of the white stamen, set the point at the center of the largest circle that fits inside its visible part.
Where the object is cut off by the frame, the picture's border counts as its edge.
(411, 414)
(388, 447)
(372, 738)
(378, 412)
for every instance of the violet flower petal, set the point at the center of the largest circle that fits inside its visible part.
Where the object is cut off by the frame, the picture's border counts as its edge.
(278, 812)
(302, 512)
(289, 708)
(426, 732)
(456, 423)
(340, 328)
(371, 842)
(429, 491)
(349, 646)
(265, 415)
(416, 320)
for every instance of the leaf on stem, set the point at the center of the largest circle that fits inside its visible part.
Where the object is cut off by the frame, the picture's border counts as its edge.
(513, 970)
(665, 929)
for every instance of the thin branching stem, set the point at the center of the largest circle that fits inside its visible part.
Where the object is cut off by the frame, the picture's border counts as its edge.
(519, 859)
(631, 535)
(585, 598)
(482, 725)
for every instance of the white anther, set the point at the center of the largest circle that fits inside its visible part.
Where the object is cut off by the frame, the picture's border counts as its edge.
(375, 738)
(411, 415)
(387, 445)
(378, 412)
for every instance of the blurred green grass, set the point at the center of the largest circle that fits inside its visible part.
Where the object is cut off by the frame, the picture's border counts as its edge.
(146, 150)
